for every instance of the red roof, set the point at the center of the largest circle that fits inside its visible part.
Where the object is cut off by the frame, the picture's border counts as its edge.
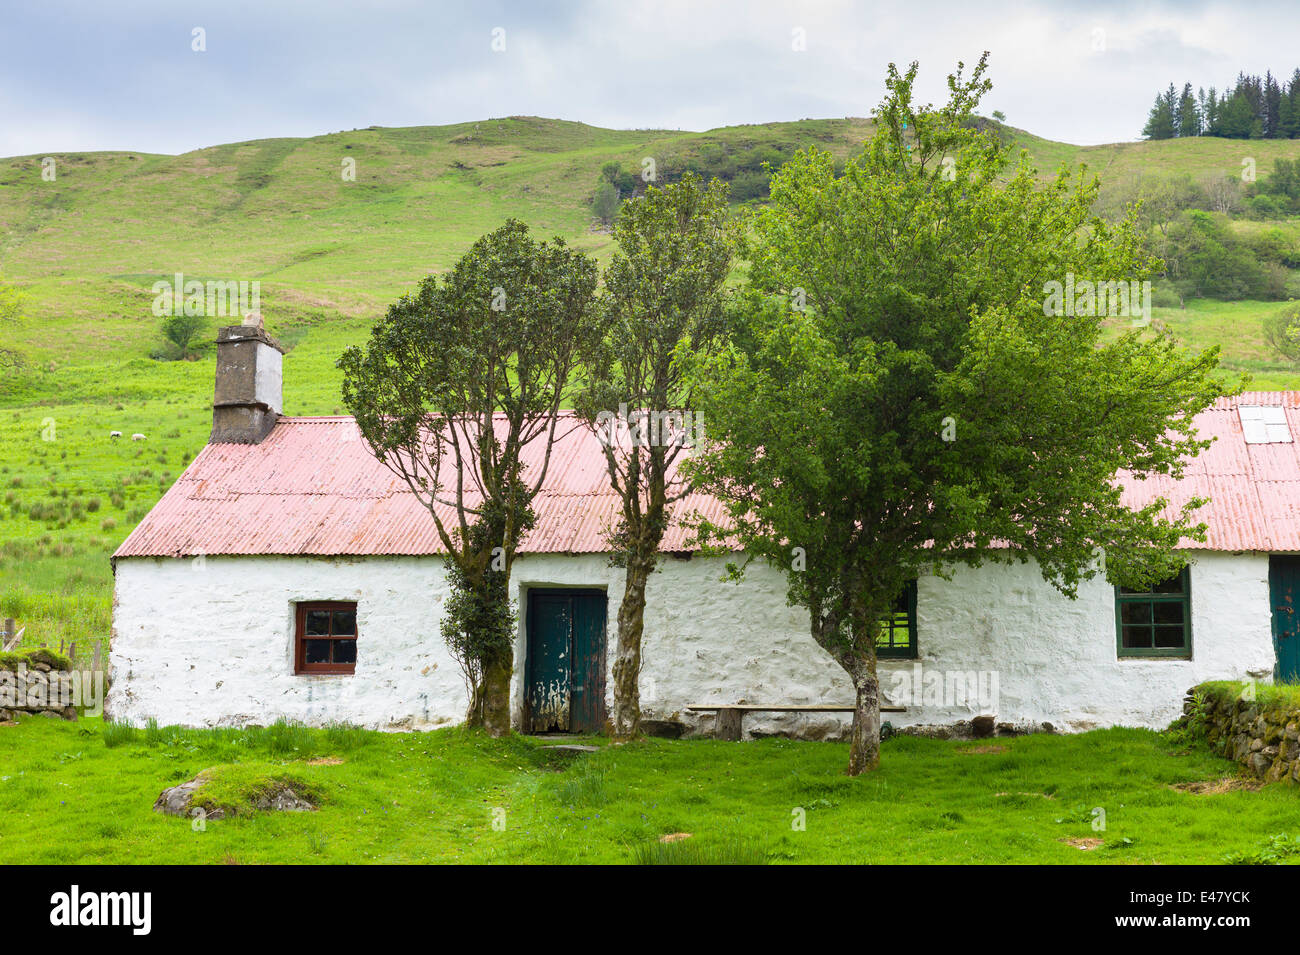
(1253, 489)
(313, 487)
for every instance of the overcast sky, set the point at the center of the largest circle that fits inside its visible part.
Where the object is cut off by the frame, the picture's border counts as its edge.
(123, 74)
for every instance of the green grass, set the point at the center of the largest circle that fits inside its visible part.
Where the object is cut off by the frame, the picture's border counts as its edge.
(1265, 694)
(83, 792)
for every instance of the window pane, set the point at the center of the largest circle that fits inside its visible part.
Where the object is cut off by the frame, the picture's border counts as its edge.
(1137, 638)
(1174, 585)
(316, 651)
(1169, 637)
(318, 623)
(1168, 613)
(345, 651)
(345, 621)
(1134, 612)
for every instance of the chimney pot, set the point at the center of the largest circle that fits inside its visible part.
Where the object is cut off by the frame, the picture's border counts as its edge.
(247, 399)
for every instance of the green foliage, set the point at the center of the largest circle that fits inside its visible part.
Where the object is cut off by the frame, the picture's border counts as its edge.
(896, 398)
(1275, 850)
(1204, 258)
(478, 619)
(605, 203)
(1282, 332)
(183, 334)
(1278, 195)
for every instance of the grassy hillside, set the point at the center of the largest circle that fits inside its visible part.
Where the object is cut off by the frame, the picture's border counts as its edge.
(330, 254)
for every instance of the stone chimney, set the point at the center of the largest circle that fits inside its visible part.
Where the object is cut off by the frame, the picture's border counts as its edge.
(247, 400)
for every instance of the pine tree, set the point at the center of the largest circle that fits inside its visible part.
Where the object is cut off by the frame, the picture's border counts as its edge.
(1289, 114)
(1272, 107)
(1160, 123)
(1189, 117)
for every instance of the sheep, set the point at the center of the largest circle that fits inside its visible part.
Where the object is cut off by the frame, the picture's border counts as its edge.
(115, 434)
(137, 437)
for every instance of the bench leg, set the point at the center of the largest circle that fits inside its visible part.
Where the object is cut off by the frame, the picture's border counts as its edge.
(728, 725)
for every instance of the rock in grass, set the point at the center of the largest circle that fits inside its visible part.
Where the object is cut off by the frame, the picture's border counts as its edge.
(223, 791)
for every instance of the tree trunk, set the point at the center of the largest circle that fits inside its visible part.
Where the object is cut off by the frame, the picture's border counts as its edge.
(496, 698)
(627, 660)
(864, 748)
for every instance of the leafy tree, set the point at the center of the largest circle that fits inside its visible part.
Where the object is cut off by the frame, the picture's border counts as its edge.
(663, 290)
(183, 331)
(606, 202)
(457, 381)
(1205, 259)
(1282, 332)
(898, 397)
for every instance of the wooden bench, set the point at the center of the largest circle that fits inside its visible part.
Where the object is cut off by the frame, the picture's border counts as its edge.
(730, 715)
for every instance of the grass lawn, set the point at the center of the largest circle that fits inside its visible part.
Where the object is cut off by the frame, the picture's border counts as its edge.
(83, 793)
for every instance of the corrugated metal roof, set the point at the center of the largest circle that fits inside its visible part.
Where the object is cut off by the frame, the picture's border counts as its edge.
(313, 487)
(1253, 489)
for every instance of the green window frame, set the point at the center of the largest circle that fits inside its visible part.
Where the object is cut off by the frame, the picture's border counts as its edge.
(896, 639)
(1155, 623)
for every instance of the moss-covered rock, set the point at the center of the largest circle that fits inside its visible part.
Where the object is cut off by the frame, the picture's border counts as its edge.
(239, 789)
(34, 658)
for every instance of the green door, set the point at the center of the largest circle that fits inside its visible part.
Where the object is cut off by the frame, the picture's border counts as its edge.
(1284, 593)
(566, 661)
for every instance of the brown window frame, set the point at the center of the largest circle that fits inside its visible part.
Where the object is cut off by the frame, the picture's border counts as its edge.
(300, 664)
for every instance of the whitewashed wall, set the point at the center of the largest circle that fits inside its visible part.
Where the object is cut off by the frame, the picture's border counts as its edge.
(211, 643)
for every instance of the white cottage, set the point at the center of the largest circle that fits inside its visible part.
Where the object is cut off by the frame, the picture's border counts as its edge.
(288, 574)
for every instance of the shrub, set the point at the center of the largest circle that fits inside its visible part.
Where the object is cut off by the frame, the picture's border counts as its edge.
(1282, 332)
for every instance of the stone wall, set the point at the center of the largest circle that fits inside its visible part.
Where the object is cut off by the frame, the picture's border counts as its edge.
(1260, 730)
(39, 688)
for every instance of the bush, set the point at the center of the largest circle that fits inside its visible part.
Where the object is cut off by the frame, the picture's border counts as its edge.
(1282, 332)
(606, 202)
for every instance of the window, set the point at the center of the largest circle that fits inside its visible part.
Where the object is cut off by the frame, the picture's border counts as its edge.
(897, 636)
(1264, 424)
(327, 637)
(1155, 622)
